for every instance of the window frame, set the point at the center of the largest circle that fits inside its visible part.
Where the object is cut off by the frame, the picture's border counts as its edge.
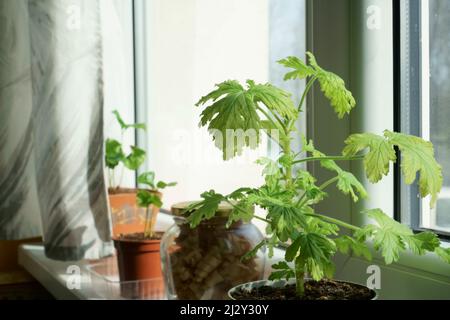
(410, 98)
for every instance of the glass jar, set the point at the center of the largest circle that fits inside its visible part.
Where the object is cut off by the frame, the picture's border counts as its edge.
(205, 262)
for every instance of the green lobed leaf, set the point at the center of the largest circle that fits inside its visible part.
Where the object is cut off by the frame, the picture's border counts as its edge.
(273, 98)
(163, 185)
(285, 219)
(392, 237)
(135, 159)
(205, 209)
(147, 178)
(377, 160)
(333, 87)
(282, 271)
(146, 199)
(347, 182)
(125, 126)
(443, 253)
(418, 156)
(345, 243)
(316, 250)
(301, 69)
(232, 109)
(113, 153)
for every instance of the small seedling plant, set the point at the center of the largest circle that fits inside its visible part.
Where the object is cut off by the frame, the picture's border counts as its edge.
(146, 199)
(115, 155)
(290, 193)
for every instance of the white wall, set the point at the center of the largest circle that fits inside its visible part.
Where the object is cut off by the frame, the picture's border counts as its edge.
(195, 44)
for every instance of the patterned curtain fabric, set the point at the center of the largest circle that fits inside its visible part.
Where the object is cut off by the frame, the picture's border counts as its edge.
(51, 127)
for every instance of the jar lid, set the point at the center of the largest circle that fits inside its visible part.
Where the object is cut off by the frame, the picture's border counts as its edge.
(223, 210)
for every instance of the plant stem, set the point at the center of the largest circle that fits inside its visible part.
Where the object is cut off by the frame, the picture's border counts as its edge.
(122, 133)
(148, 232)
(280, 124)
(305, 93)
(335, 221)
(262, 219)
(299, 277)
(329, 182)
(334, 158)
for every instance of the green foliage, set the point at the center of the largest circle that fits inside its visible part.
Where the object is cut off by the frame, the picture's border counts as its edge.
(282, 271)
(114, 153)
(392, 237)
(417, 156)
(289, 192)
(347, 182)
(135, 159)
(205, 209)
(332, 86)
(148, 179)
(235, 109)
(125, 126)
(145, 199)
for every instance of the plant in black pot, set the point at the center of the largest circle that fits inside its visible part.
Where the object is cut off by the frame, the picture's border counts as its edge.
(289, 193)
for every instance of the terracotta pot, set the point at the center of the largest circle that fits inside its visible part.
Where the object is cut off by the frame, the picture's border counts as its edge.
(139, 262)
(126, 214)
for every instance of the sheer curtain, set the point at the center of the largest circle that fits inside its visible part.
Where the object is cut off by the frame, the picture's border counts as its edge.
(51, 126)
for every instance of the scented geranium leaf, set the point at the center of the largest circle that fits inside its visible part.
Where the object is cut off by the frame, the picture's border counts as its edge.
(146, 199)
(273, 98)
(125, 126)
(292, 250)
(443, 253)
(319, 269)
(240, 193)
(270, 166)
(135, 159)
(254, 252)
(113, 153)
(163, 185)
(301, 69)
(316, 250)
(317, 225)
(388, 236)
(347, 182)
(333, 88)
(233, 111)
(242, 211)
(285, 220)
(147, 178)
(283, 271)
(418, 156)
(376, 161)
(345, 244)
(205, 209)
(422, 242)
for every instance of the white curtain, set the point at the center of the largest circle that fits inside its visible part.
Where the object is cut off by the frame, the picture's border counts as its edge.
(51, 127)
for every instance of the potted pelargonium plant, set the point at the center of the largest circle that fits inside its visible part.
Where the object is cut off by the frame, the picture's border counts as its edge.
(136, 241)
(290, 193)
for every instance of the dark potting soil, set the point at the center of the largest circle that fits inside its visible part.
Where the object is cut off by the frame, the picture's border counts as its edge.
(314, 290)
(139, 236)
